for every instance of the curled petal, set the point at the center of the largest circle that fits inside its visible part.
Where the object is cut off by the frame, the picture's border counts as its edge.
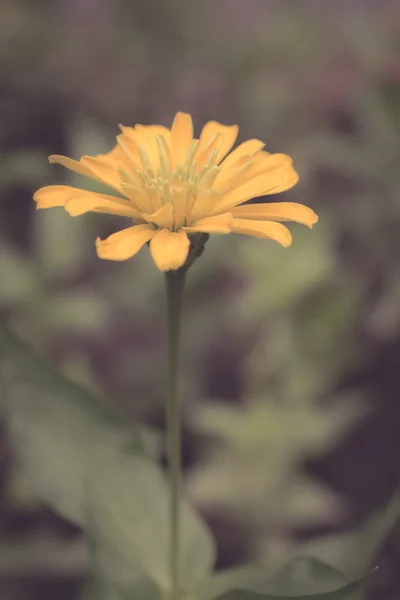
(124, 244)
(169, 249)
(51, 196)
(78, 202)
(277, 211)
(263, 230)
(69, 163)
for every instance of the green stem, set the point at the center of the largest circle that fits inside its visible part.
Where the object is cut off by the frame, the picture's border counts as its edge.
(175, 283)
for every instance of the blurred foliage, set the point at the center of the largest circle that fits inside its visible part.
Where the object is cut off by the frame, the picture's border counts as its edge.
(96, 471)
(271, 335)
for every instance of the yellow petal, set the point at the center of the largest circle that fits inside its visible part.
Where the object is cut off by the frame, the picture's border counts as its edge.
(263, 230)
(277, 179)
(236, 166)
(116, 158)
(152, 131)
(250, 166)
(218, 224)
(263, 162)
(235, 175)
(146, 136)
(209, 152)
(78, 202)
(249, 147)
(277, 211)
(205, 205)
(82, 203)
(227, 137)
(124, 244)
(130, 147)
(103, 170)
(51, 196)
(69, 163)
(169, 249)
(181, 137)
(163, 217)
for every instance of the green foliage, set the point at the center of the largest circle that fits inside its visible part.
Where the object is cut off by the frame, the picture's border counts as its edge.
(306, 578)
(91, 466)
(94, 469)
(356, 550)
(60, 433)
(258, 456)
(305, 315)
(133, 490)
(301, 577)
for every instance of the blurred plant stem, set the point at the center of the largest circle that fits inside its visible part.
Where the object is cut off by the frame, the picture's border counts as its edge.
(175, 283)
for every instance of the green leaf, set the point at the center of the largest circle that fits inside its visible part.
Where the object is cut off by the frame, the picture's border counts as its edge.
(244, 577)
(303, 577)
(99, 588)
(128, 498)
(355, 551)
(91, 466)
(59, 432)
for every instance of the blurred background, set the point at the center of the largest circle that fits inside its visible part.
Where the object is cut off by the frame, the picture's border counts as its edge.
(291, 356)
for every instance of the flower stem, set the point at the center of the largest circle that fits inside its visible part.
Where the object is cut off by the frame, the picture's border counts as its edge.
(175, 283)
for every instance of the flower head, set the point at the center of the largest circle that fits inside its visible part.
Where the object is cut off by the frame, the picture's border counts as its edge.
(173, 186)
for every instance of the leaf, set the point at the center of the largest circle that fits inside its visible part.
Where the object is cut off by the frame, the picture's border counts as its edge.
(357, 549)
(58, 430)
(98, 588)
(91, 466)
(303, 577)
(246, 577)
(129, 505)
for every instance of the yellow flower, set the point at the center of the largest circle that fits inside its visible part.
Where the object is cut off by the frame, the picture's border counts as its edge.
(173, 186)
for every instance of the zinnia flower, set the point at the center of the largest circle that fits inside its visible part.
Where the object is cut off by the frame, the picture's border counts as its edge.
(173, 186)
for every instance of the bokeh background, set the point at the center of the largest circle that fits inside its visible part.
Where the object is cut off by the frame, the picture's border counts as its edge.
(290, 356)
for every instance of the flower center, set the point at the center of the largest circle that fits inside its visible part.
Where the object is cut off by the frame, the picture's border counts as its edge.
(181, 186)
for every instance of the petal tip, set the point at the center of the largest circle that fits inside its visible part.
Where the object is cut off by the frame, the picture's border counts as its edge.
(313, 220)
